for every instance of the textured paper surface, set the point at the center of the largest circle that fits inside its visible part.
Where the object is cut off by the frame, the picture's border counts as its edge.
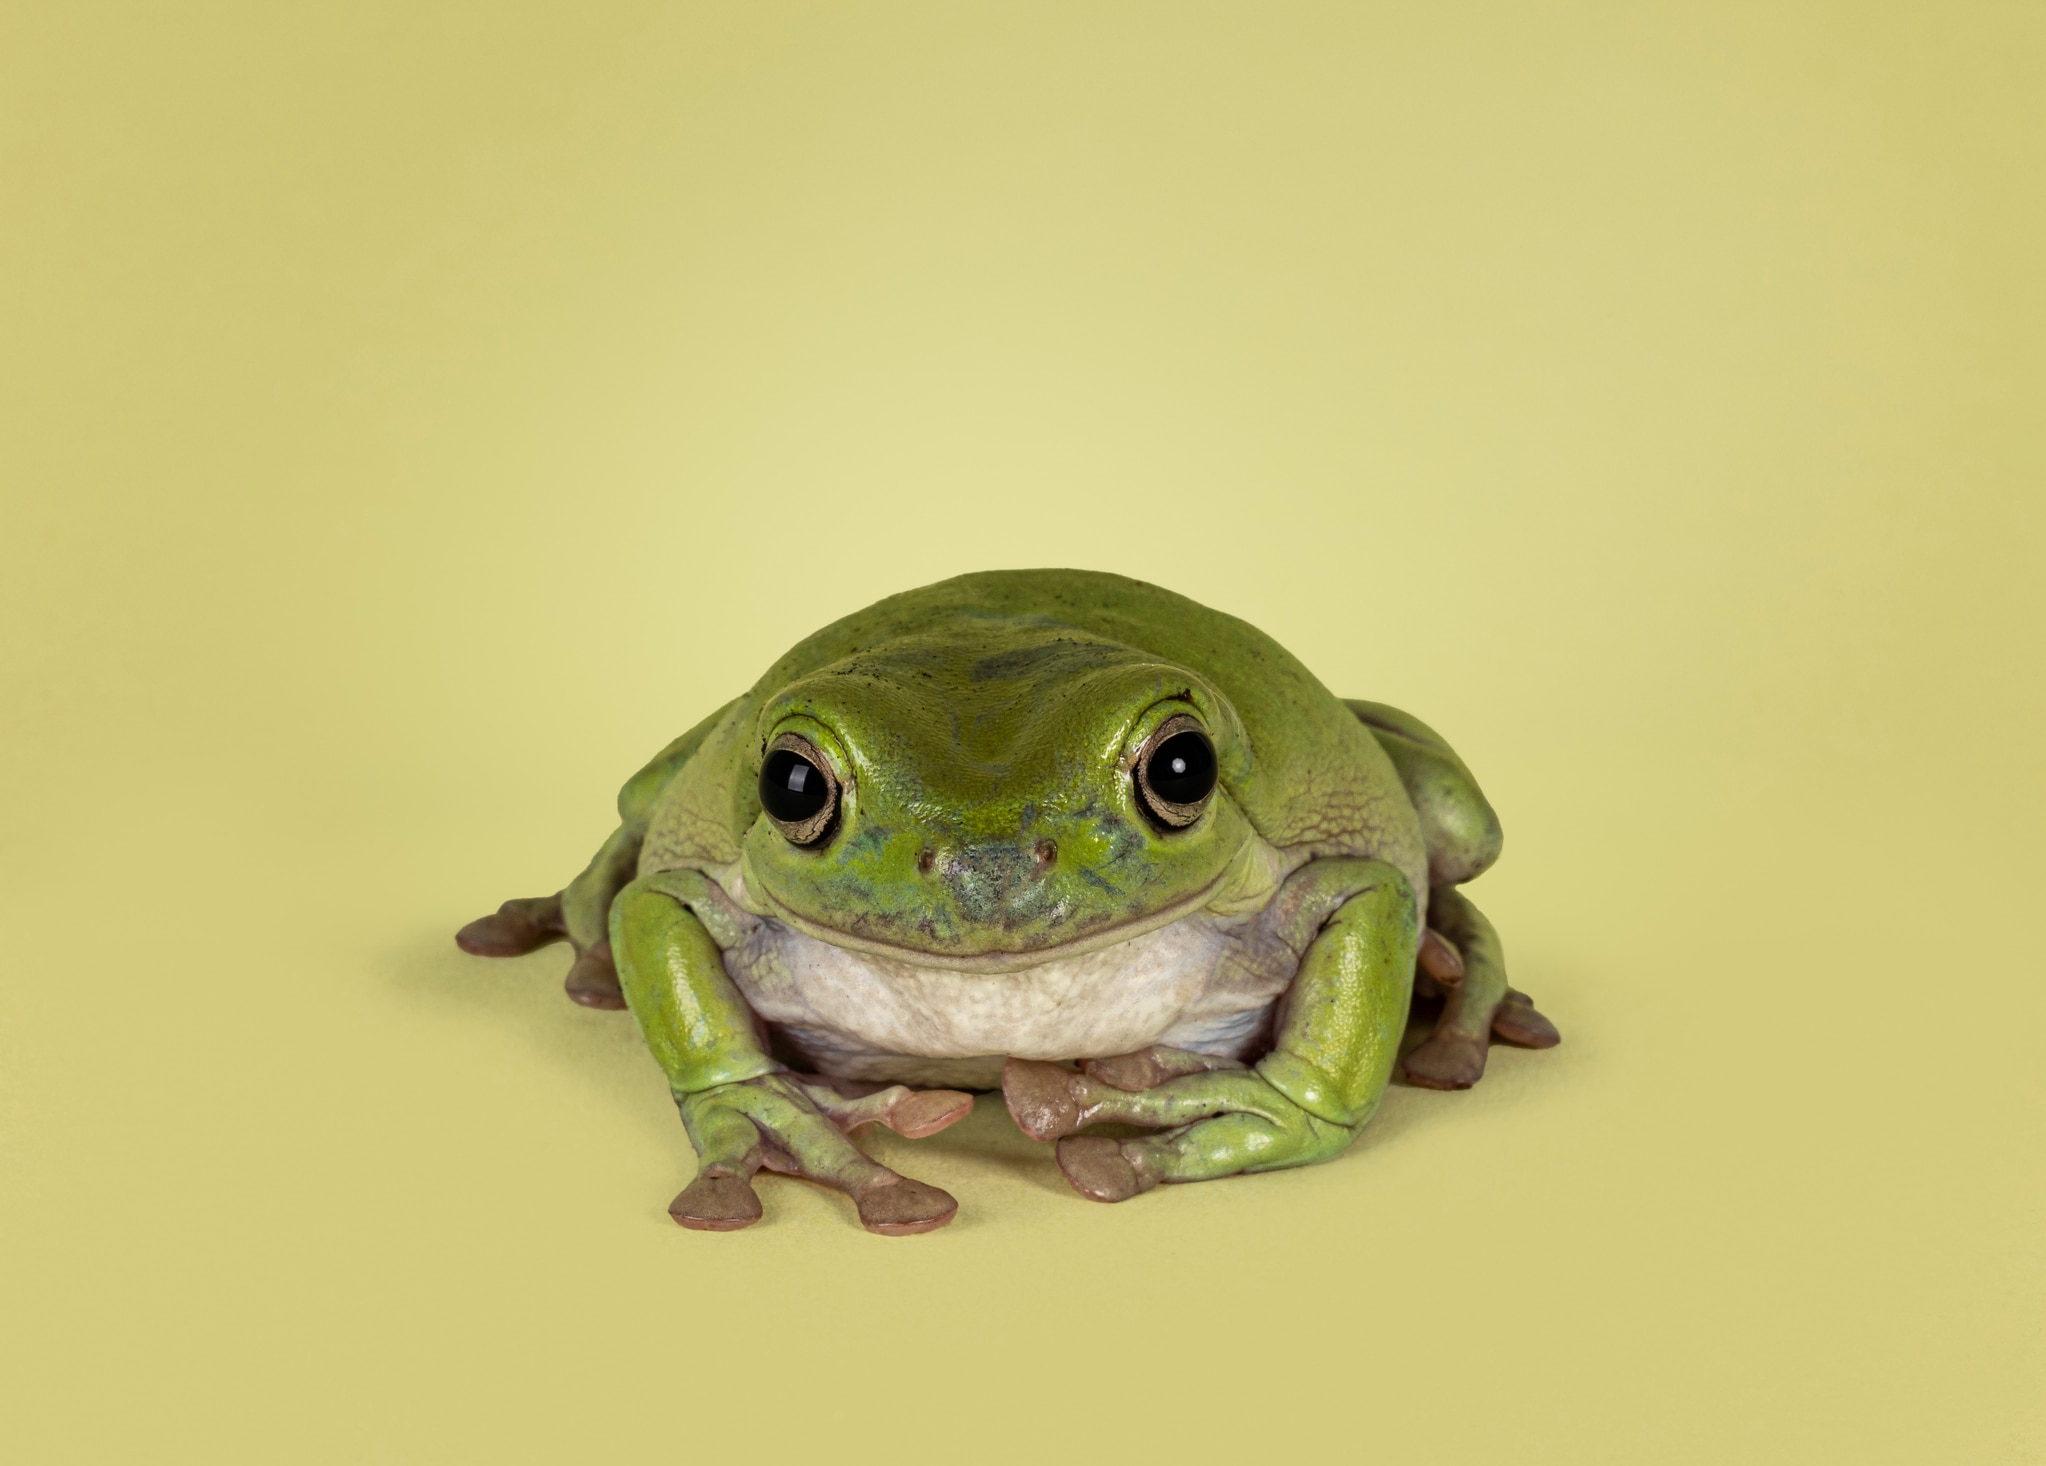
(414, 416)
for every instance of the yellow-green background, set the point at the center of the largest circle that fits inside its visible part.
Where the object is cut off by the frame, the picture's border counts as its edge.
(414, 415)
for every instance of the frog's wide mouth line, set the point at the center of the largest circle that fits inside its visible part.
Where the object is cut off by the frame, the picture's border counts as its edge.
(988, 962)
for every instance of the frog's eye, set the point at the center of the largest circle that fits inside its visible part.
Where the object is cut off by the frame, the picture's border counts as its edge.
(1176, 772)
(798, 789)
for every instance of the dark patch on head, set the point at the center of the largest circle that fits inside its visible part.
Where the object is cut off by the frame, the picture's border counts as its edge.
(1003, 666)
(1061, 655)
(869, 840)
(1124, 839)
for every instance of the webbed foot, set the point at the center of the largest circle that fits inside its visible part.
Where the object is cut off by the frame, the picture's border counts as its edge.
(530, 923)
(1454, 1058)
(798, 1125)
(1478, 1006)
(1048, 1101)
(1220, 1119)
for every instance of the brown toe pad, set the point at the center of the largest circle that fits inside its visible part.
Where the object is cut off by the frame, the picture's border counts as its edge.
(506, 932)
(1519, 1023)
(928, 1111)
(1446, 1061)
(1040, 1098)
(903, 1207)
(1440, 959)
(1099, 1170)
(716, 1204)
(593, 981)
(1149, 1068)
(1133, 1072)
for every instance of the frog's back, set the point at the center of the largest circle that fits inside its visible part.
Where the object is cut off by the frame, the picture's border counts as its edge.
(1314, 781)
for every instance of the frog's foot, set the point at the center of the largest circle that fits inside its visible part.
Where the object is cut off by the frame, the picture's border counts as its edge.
(791, 1124)
(526, 925)
(1048, 1101)
(1224, 1121)
(515, 928)
(1461, 957)
(1454, 1055)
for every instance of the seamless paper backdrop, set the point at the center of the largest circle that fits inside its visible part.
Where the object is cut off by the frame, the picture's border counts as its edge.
(411, 416)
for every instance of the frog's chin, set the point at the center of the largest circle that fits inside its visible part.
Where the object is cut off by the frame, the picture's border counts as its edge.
(1247, 883)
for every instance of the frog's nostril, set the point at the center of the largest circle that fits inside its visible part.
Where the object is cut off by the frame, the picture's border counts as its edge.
(925, 859)
(1047, 853)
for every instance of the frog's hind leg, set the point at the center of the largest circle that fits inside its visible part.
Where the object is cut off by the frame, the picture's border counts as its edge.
(584, 908)
(1458, 827)
(1461, 952)
(1479, 1004)
(580, 913)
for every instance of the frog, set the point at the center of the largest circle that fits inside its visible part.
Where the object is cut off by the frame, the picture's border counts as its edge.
(1060, 835)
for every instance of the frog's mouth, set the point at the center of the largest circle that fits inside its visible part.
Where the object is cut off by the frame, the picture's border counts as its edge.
(995, 961)
(1246, 884)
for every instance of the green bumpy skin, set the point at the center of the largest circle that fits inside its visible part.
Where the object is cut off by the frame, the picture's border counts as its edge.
(989, 835)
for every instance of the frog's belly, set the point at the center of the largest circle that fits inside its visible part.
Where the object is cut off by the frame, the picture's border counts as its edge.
(1203, 983)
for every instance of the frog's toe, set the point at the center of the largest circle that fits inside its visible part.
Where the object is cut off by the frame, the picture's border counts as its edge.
(1044, 1100)
(1476, 1006)
(593, 980)
(514, 929)
(910, 1113)
(900, 1207)
(926, 1112)
(1101, 1169)
(716, 1202)
(1454, 1056)
(1447, 1061)
(1517, 1022)
(1149, 1068)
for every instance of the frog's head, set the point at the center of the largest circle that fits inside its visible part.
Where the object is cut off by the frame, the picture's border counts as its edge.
(986, 795)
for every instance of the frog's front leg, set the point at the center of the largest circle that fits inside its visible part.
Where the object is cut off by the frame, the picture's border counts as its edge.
(1338, 1037)
(745, 1112)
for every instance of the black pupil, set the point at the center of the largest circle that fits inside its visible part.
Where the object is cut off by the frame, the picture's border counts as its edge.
(792, 789)
(1182, 768)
